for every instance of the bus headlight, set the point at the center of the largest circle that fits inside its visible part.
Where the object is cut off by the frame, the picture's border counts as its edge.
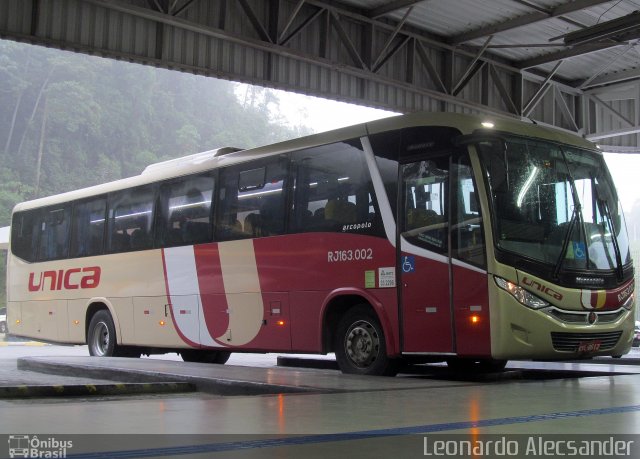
(523, 296)
(628, 304)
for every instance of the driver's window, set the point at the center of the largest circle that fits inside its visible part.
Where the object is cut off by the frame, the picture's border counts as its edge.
(425, 197)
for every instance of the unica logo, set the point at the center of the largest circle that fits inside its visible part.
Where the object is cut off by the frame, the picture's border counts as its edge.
(542, 288)
(70, 279)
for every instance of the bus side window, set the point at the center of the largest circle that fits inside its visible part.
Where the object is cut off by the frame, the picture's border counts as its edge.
(228, 226)
(25, 231)
(131, 220)
(185, 212)
(87, 227)
(252, 200)
(54, 239)
(333, 191)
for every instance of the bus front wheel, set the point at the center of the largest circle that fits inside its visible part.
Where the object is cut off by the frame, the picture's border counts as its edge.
(360, 344)
(101, 336)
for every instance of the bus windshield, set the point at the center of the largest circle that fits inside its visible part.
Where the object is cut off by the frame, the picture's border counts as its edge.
(554, 204)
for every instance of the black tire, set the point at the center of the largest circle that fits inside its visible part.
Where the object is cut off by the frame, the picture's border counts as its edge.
(477, 365)
(360, 344)
(101, 335)
(196, 355)
(3, 327)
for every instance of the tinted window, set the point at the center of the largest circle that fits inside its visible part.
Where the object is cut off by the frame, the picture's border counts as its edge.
(25, 230)
(88, 226)
(425, 196)
(385, 147)
(333, 191)
(131, 220)
(185, 211)
(252, 200)
(467, 239)
(54, 238)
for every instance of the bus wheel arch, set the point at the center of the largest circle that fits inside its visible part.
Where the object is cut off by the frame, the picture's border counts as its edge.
(353, 330)
(333, 310)
(339, 304)
(92, 309)
(102, 335)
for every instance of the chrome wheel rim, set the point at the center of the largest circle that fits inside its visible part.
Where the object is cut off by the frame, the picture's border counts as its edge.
(100, 342)
(362, 344)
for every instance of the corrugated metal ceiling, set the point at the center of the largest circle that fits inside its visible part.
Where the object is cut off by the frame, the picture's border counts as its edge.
(448, 19)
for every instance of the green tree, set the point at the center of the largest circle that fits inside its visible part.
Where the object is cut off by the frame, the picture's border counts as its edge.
(71, 120)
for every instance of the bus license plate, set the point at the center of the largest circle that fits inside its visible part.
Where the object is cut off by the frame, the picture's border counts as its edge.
(589, 346)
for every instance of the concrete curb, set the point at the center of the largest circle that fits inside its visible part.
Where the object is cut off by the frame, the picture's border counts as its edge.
(79, 390)
(218, 386)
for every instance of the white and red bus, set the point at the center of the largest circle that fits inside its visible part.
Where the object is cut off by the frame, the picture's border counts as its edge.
(426, 237)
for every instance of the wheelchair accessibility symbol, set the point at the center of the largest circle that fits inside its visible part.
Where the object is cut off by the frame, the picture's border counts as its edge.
(579, 251)
(408, 264)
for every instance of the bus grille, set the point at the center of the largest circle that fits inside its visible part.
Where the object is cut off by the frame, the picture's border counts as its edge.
(569, 342)
(581, 317)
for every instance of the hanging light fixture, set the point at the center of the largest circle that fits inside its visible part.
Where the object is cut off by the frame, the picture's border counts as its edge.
(623, 28)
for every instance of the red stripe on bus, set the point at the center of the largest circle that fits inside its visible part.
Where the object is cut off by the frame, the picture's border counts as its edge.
(211, 286)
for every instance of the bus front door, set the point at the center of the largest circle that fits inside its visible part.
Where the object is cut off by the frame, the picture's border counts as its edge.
(444, 296)
(427, 319)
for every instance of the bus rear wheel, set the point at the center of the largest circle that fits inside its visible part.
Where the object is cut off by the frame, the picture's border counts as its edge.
(360, 344)
(196, 355)
(101, 335)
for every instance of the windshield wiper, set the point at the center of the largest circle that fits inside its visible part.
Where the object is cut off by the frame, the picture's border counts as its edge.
(575, 216)
(614, 240)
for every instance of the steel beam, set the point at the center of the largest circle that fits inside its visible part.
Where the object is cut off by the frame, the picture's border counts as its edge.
(613, 133)
(526, 19)
(565, 54)
(564, 109)
(472, 68)
(391, 7)
(344, 41)
(602, 104)
(537, 97)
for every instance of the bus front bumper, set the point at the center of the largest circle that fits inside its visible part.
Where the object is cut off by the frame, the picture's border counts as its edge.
(519, 332)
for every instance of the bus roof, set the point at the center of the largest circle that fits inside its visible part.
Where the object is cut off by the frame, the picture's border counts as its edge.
(214, 159)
